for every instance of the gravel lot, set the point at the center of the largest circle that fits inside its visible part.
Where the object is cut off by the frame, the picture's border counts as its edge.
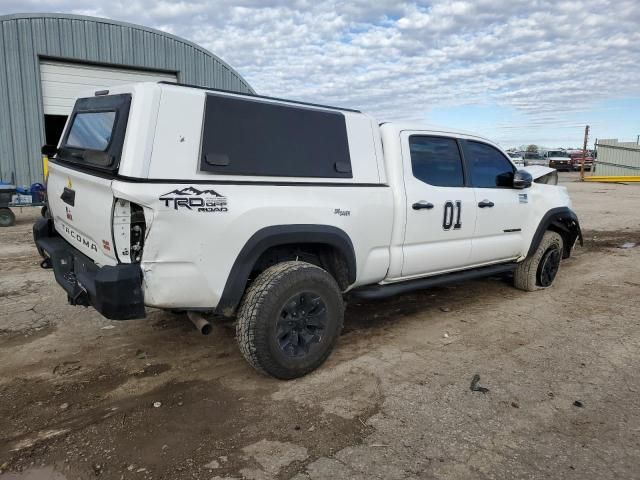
(77, 392)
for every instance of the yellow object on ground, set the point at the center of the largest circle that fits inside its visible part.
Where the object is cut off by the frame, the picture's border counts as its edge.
(45, 166)
(612, 179)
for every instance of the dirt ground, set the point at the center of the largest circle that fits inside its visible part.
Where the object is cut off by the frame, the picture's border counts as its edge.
(78, 393)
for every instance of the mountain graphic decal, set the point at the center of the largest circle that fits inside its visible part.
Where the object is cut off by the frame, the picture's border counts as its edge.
(192, 191)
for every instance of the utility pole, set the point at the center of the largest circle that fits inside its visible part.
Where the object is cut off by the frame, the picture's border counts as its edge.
(584, 152)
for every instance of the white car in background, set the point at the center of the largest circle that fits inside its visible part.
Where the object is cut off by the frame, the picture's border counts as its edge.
(535, 159)
(516, 158)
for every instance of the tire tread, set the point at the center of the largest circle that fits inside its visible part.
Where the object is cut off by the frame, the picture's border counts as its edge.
(260, 296)
(524, 277)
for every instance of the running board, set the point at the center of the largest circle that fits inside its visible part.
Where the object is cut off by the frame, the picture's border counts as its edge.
(388, 290)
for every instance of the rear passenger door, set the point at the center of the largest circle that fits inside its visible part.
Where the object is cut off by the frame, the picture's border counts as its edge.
(440, 209)
(502, 210)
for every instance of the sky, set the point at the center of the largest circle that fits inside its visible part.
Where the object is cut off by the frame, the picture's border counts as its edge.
(518, 72)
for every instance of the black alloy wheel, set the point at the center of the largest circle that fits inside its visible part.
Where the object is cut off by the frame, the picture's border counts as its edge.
(549, 266)
(301, 324)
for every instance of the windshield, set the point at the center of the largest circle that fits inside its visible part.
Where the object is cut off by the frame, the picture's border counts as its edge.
(91, 130)
(557, 153)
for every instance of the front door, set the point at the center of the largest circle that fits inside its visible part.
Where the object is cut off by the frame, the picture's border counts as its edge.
(441, 210)
(502, 210)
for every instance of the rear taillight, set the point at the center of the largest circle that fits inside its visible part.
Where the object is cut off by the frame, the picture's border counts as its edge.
(128, 231)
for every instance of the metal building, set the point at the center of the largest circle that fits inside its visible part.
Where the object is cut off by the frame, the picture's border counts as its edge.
(46, 60)
(617, 159)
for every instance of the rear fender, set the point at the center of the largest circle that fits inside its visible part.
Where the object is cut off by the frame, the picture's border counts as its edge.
(272, 237)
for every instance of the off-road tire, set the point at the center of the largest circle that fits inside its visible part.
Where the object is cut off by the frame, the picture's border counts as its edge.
(262, 308)
(526, 275)
(7, 217)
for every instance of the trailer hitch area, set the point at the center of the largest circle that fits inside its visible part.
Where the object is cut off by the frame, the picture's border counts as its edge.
(79, 297)
(46, 263)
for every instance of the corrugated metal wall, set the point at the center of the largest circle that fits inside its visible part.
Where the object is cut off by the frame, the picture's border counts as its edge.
(25, 39)
(617, 158)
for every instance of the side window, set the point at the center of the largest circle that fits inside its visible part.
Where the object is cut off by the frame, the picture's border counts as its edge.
(244, 136)
(436, 161)
(488, 167)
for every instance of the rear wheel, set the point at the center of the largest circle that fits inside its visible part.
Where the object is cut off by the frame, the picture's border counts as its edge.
(289, 319)
(7, 217)
(540, 270)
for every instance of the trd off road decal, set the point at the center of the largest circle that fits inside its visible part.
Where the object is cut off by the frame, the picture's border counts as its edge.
(190, 198)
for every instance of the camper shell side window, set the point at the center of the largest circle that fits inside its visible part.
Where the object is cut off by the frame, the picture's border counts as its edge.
(253, 137)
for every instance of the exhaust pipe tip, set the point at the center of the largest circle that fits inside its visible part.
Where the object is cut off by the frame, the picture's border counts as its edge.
(202, 324)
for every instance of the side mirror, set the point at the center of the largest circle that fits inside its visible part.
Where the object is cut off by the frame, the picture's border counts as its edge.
(49, 150)
(522, 179)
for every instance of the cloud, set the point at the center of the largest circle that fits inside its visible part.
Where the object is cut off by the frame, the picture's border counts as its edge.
(399, 60)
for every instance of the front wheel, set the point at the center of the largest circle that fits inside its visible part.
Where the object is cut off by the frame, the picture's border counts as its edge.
(7, 217)
(540, 270)
(289, 319)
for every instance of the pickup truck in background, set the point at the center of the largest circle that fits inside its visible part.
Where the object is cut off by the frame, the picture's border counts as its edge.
(576, 160)
(559, 159)
(272, 211)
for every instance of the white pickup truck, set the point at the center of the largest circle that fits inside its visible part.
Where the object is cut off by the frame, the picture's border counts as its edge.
(271, 211)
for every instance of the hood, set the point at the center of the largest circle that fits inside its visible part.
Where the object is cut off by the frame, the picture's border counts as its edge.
(538, 171)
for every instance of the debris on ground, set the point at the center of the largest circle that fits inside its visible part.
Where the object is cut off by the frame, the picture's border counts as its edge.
(475, 385)
(213, 464)
(578, 403)
(445, 309)
(515, 404)
(628, 245)
(157, 404)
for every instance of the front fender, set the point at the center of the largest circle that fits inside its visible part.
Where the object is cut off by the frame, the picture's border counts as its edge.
(562, 220)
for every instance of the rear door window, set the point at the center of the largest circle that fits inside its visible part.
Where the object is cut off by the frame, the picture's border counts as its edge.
(436, 161)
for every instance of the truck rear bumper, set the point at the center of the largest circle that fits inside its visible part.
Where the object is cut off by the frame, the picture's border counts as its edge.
(114, 291)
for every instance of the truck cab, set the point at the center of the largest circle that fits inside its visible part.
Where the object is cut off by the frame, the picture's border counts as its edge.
(270, 211)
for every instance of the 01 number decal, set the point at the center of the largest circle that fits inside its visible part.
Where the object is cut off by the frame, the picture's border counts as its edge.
(452, 210)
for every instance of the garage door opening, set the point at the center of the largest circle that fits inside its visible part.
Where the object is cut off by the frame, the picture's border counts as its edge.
(53, 127)
(64, 82)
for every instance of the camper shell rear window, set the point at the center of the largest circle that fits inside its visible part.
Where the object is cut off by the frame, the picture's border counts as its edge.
(244, 136)
(95, 134)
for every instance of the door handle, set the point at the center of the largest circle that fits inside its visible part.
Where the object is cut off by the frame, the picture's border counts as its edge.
(485, 203)
(422, 205)
(68, 196)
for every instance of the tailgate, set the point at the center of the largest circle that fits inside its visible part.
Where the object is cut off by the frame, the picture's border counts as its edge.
(81, 206)
(79, 183)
